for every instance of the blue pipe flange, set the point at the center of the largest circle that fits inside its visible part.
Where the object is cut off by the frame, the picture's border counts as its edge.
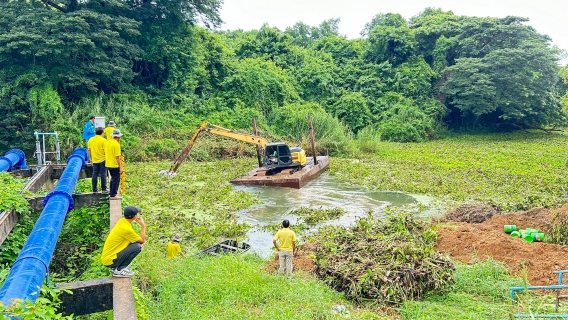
(59, 192)
(21, 158)
(9, 162)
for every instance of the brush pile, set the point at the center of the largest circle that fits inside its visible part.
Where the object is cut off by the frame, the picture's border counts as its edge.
(387, 262)
(472, 213)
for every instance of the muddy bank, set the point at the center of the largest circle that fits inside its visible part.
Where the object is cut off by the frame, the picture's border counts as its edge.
(468, 242)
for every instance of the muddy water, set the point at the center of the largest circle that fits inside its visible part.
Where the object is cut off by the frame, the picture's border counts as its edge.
(324, 192)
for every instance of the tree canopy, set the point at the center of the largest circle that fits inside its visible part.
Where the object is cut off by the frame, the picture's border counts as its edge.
(404, 78)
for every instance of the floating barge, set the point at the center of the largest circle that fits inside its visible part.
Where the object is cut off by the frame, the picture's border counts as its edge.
(289, 178)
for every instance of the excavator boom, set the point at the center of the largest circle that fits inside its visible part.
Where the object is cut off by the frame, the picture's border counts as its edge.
(185, 152)
(236, 135)
(206, 126)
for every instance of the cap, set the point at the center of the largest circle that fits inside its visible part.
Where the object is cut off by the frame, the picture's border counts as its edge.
(111, 123)
(116, 133)
(176, 238)
(131, 211)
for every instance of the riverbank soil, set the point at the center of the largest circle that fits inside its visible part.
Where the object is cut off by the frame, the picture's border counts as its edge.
(469, 241)
(302, 261)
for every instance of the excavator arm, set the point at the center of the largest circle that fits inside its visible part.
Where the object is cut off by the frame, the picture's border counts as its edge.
(183, 155)
(236, 135)
(206, 126)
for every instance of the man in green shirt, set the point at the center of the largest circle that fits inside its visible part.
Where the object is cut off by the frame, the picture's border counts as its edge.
(285, 242)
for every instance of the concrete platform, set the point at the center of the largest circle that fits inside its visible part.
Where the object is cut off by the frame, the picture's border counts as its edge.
(99, 295)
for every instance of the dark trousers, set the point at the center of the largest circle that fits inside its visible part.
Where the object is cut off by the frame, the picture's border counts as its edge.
(114, 181)
(124, 257)
(99, 169)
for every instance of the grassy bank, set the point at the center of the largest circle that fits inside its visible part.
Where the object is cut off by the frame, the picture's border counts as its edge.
(230, 287)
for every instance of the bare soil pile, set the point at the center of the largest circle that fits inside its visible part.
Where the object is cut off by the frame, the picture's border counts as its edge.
(468, 242)
(302, 261)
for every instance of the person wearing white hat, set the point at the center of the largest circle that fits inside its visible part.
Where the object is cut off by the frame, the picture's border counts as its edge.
(113, 163)
(109, 129)
(173, 248)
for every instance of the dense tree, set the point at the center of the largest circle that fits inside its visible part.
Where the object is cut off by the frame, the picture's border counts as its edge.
(514, 86)
(403, 79)
(393, 44)
(385, 20)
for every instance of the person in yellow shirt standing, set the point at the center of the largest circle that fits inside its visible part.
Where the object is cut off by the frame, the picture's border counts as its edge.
(173, 248)
(96, 147)
(123, 244)
(110, 129)
(113, 163)
(285, 242)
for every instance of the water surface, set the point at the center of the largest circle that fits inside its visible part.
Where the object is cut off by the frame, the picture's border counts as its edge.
(324, 192)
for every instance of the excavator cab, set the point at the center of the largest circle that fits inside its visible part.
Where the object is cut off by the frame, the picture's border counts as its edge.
(279, 155)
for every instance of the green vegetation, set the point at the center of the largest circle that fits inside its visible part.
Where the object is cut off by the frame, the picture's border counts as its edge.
(199, 203)
(228, 287)
(157, 78)
(157, 74)
(514, 171)
(480, 291)
(45, 307)
(314, 216)
(10, 196)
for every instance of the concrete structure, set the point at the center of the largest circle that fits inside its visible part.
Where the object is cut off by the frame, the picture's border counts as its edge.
(99, 295)
(80, 199)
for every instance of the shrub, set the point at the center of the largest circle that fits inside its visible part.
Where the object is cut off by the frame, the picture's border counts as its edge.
(331, 135)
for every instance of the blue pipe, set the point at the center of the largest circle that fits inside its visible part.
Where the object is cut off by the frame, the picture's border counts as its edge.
(13, 159)
(29, 269)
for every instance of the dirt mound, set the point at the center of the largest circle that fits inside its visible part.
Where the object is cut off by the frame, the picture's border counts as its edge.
(471, 213)
(468, 242)
(302, 261)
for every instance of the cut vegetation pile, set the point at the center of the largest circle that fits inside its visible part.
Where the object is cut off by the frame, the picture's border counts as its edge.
(385, 261)
(472, 213)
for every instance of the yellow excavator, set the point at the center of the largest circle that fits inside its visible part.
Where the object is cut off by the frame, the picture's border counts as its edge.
(277, 156)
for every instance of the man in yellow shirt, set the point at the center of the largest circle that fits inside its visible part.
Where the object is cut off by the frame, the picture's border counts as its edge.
(113, 163)
(109, 130)
(123, 244)
(96, 147)
(285, 242)
(173, 248)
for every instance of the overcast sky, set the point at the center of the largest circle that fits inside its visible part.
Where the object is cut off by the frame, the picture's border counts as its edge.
(548, 17)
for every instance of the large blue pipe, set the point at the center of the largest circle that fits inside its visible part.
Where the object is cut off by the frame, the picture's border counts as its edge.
(13, 159)
(29, 269)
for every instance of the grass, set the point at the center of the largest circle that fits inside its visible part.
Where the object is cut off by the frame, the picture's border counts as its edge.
(231, 287)
(516, 171)
(480, 292)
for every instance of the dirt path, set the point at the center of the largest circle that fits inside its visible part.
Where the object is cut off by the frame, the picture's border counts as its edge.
(467, 242)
